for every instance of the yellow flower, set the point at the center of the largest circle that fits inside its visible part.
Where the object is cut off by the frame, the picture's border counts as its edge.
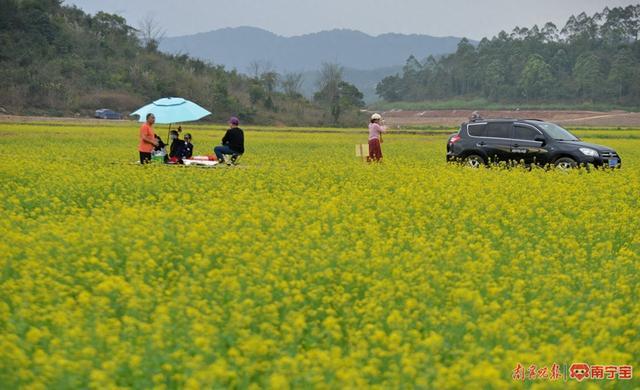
(278, 381)
(288, 273)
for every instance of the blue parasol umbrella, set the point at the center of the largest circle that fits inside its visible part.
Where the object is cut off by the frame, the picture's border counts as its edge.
(172, 110)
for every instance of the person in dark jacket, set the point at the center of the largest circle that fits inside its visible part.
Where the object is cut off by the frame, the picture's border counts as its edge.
(187, 147)
(180, 149)
(232, 142)
(175, 150)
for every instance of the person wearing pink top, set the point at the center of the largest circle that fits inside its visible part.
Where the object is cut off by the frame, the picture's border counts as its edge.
(375, 137)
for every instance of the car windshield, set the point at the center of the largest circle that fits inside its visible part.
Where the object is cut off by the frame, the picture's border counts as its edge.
(556, 132)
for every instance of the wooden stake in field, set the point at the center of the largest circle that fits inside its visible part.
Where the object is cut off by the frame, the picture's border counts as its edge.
(362, 150)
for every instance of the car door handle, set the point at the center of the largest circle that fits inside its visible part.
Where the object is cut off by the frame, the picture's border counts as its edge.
(516, 145)
(481, 144)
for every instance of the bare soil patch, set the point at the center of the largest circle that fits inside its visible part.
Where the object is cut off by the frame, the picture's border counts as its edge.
(61, 120)
(399, 118)
(395, 118)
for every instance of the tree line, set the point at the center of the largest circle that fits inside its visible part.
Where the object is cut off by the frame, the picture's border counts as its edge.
(58, 60)
(591, 59)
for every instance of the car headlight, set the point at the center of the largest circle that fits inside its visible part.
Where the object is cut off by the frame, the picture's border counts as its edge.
(589, 152)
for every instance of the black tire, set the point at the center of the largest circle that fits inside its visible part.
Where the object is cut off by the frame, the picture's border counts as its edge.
(566, 163)
(474, 161)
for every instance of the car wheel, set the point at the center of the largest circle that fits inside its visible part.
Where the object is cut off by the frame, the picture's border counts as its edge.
(474, 161)
(566, 163)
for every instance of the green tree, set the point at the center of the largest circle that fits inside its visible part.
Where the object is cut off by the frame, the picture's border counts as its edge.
(587, 75)
(221, 101)
(561, 64)
(621, 72)
(256, 93)
(494, 78)
(412, 71)
(150, 33)
(336, 94)
(291, 84)
(550, 33)
(350, 96)
(536, 78)
(269, 81)
(464, 68)
(57, 59)
(517, 65)
(390, 88)
(328, 94)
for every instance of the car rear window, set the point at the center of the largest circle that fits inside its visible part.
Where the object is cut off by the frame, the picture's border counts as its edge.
(499, 129)
(477, 130)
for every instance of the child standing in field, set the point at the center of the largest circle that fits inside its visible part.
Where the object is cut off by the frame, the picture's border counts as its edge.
(375, 137)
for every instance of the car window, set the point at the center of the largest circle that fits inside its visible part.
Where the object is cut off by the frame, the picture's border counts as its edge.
(479, 130)
(556, 132)
(525, 132)
(499, 129)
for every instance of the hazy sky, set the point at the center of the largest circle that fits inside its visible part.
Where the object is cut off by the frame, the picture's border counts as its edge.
(472, 19)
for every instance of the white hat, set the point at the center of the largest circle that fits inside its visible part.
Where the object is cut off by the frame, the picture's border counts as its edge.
(376, 116)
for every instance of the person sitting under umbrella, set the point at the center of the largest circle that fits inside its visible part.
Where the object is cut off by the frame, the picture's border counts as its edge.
(187, 148)
(180, 149)
(232, 142)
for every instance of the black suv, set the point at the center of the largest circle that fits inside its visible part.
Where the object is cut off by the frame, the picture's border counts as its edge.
(531, 141)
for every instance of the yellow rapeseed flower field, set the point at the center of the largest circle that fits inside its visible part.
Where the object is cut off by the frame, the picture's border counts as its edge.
(305, 267)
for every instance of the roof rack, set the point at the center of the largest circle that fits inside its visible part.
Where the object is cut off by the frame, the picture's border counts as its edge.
(493, 119)
(504, 119)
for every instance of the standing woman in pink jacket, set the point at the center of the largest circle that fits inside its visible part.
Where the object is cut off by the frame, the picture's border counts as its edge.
(375, 137)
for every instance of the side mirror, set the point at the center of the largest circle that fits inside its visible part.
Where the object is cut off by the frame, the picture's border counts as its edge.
(540, 138)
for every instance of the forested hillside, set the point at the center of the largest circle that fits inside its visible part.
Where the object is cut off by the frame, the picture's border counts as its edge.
(58, 60)
(591, 59)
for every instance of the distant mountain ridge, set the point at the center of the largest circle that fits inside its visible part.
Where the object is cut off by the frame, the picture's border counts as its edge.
(239, 46)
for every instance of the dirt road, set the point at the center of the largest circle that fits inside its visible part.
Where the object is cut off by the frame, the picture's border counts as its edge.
(453, 118)
(395, 118)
